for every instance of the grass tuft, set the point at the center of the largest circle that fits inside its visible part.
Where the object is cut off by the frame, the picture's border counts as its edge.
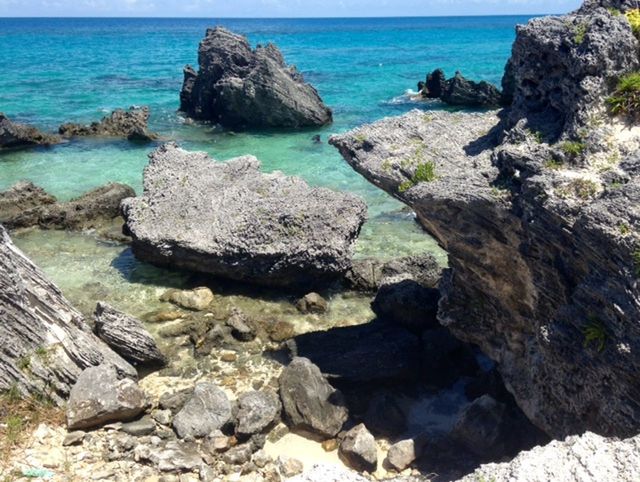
(425, 172)
(626, 98)
(633, 16)
(595, 333)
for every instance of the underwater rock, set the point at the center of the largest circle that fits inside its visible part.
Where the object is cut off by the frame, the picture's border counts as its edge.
(240, 87)
(22, 205)
(312, 303)
(197, 299)
(129, 124)
(46, 341)
(232, 221)
(13, 135)
(127, 336)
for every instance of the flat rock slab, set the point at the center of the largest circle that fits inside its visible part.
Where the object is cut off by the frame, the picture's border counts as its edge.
(232, 221)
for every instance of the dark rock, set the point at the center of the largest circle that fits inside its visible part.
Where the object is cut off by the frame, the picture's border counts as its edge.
(13, 135)
(365, 275)
(243, 88)
(100, 396)
(358, 449)
(467, 93)
(445, 359)
(139, 428)
(174, 401)
(46, 343)
(309, 402)
(385, 416)
(365, 353)
(242, 329)
(130, 124)
(257, 411)
(127, 336)
(280, 331)
(312, 303)
(266, 228)
(435, 85)
(25, 205)
(207, 410)
(406, 302)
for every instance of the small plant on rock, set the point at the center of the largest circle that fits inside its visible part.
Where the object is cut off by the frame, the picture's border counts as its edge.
(595, 333)
(425, 172)
(553, 164)
(573, 148)
(636, 261)
(634, 19)
(626, 98)
(580, 31)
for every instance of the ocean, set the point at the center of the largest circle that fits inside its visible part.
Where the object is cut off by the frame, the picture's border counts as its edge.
(60, 70)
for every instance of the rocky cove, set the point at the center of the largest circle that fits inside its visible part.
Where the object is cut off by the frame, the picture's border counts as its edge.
(252, 341)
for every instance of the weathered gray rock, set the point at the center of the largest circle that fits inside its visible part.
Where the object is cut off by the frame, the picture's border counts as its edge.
(174, 401)
(172, 456)
(207, 410)
(358, 449)
(232, 221)
(460, 91)
(13, 135)
(242, 329)
(139, 428)
(126, 336)
(25, 205)
(100, 396)
(401, 454)
(289, 466)
(129, 124)
(588, 457)
(197, 299)
(46, 342)
(365, 275)
(257, 410)
(309, 402)
(312, 303)
(328, 473)
(243, 88)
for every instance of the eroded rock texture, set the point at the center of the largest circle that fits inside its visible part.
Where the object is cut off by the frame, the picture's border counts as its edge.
(44, 342)
(241, 87)
(14, 135)
(131, 124)
(233, 221)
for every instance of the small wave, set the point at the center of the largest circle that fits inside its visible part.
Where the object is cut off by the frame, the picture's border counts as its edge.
(410, 96)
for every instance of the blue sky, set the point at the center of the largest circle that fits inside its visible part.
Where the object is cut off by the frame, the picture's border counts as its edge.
(279, 8)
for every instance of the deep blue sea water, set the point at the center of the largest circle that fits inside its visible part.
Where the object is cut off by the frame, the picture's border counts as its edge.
(58, 70)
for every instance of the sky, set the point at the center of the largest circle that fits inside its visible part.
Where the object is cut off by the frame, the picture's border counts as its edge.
(278, 8)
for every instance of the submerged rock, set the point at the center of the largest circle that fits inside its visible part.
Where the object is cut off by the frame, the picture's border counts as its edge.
(13, 135)
(233, 221)
(309, 402)
(100, 396)
(197, 299)
(358, 449)
(127, 336)
(207, 410)
(240, 87)
(129, 124)
(46, 342)
(312, 303)
(25, 205)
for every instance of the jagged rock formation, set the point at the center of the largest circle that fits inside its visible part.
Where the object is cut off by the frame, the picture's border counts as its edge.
(13, 135)
(243, 88)
(233, 221)
(129, 124)
(542, 235)
(460, 91)
(587, 457)
(45, 342)
(25, 205)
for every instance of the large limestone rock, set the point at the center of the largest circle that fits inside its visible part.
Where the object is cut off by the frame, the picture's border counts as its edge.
(240, 87)
(25, 205)
(310, 403)
(13, 135)
(127, 336)
(542, 243)
(233, 221)
(588, 457)
(129, 124)
(100, 396)
(46, 343)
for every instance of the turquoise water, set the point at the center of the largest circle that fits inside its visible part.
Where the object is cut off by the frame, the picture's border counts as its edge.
(58, 70)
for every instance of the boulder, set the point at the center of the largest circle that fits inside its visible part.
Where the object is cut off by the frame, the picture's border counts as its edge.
(257, 410)
(100, 396)
(310, 403)
(289, 466)
(127, 336)
(435, 84)
(365, 275)
(207, 410)
(25, 205)
(46, 341)
(233, 221)
(242, 329)
(129, 124)
(172, 456)
(358, 449)
(373, 352)
(197, 299)
(401, 454)
(585, 457)
(459, 91)
(13, 135)
(240, 87)
(312, 303)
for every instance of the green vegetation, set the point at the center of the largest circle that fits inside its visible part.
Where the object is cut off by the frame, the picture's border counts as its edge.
(626, 98)
(573, 148)
(636, 261)
(425, 172)
(595, 333)
(580, 31)
(553, 164)
(581, 188)
(624, 229)
(360, 138)
(614, 12)
(537, 136)
(634, 19)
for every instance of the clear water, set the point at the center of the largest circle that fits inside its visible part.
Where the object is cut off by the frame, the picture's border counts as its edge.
(58, 70)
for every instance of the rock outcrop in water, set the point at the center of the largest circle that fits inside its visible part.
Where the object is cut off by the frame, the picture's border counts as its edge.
(45, 342)
(25, 205)
(243, 88)
(233, 221)
(13, 135)
(542, 236)
(129, 124)
(460, 91)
